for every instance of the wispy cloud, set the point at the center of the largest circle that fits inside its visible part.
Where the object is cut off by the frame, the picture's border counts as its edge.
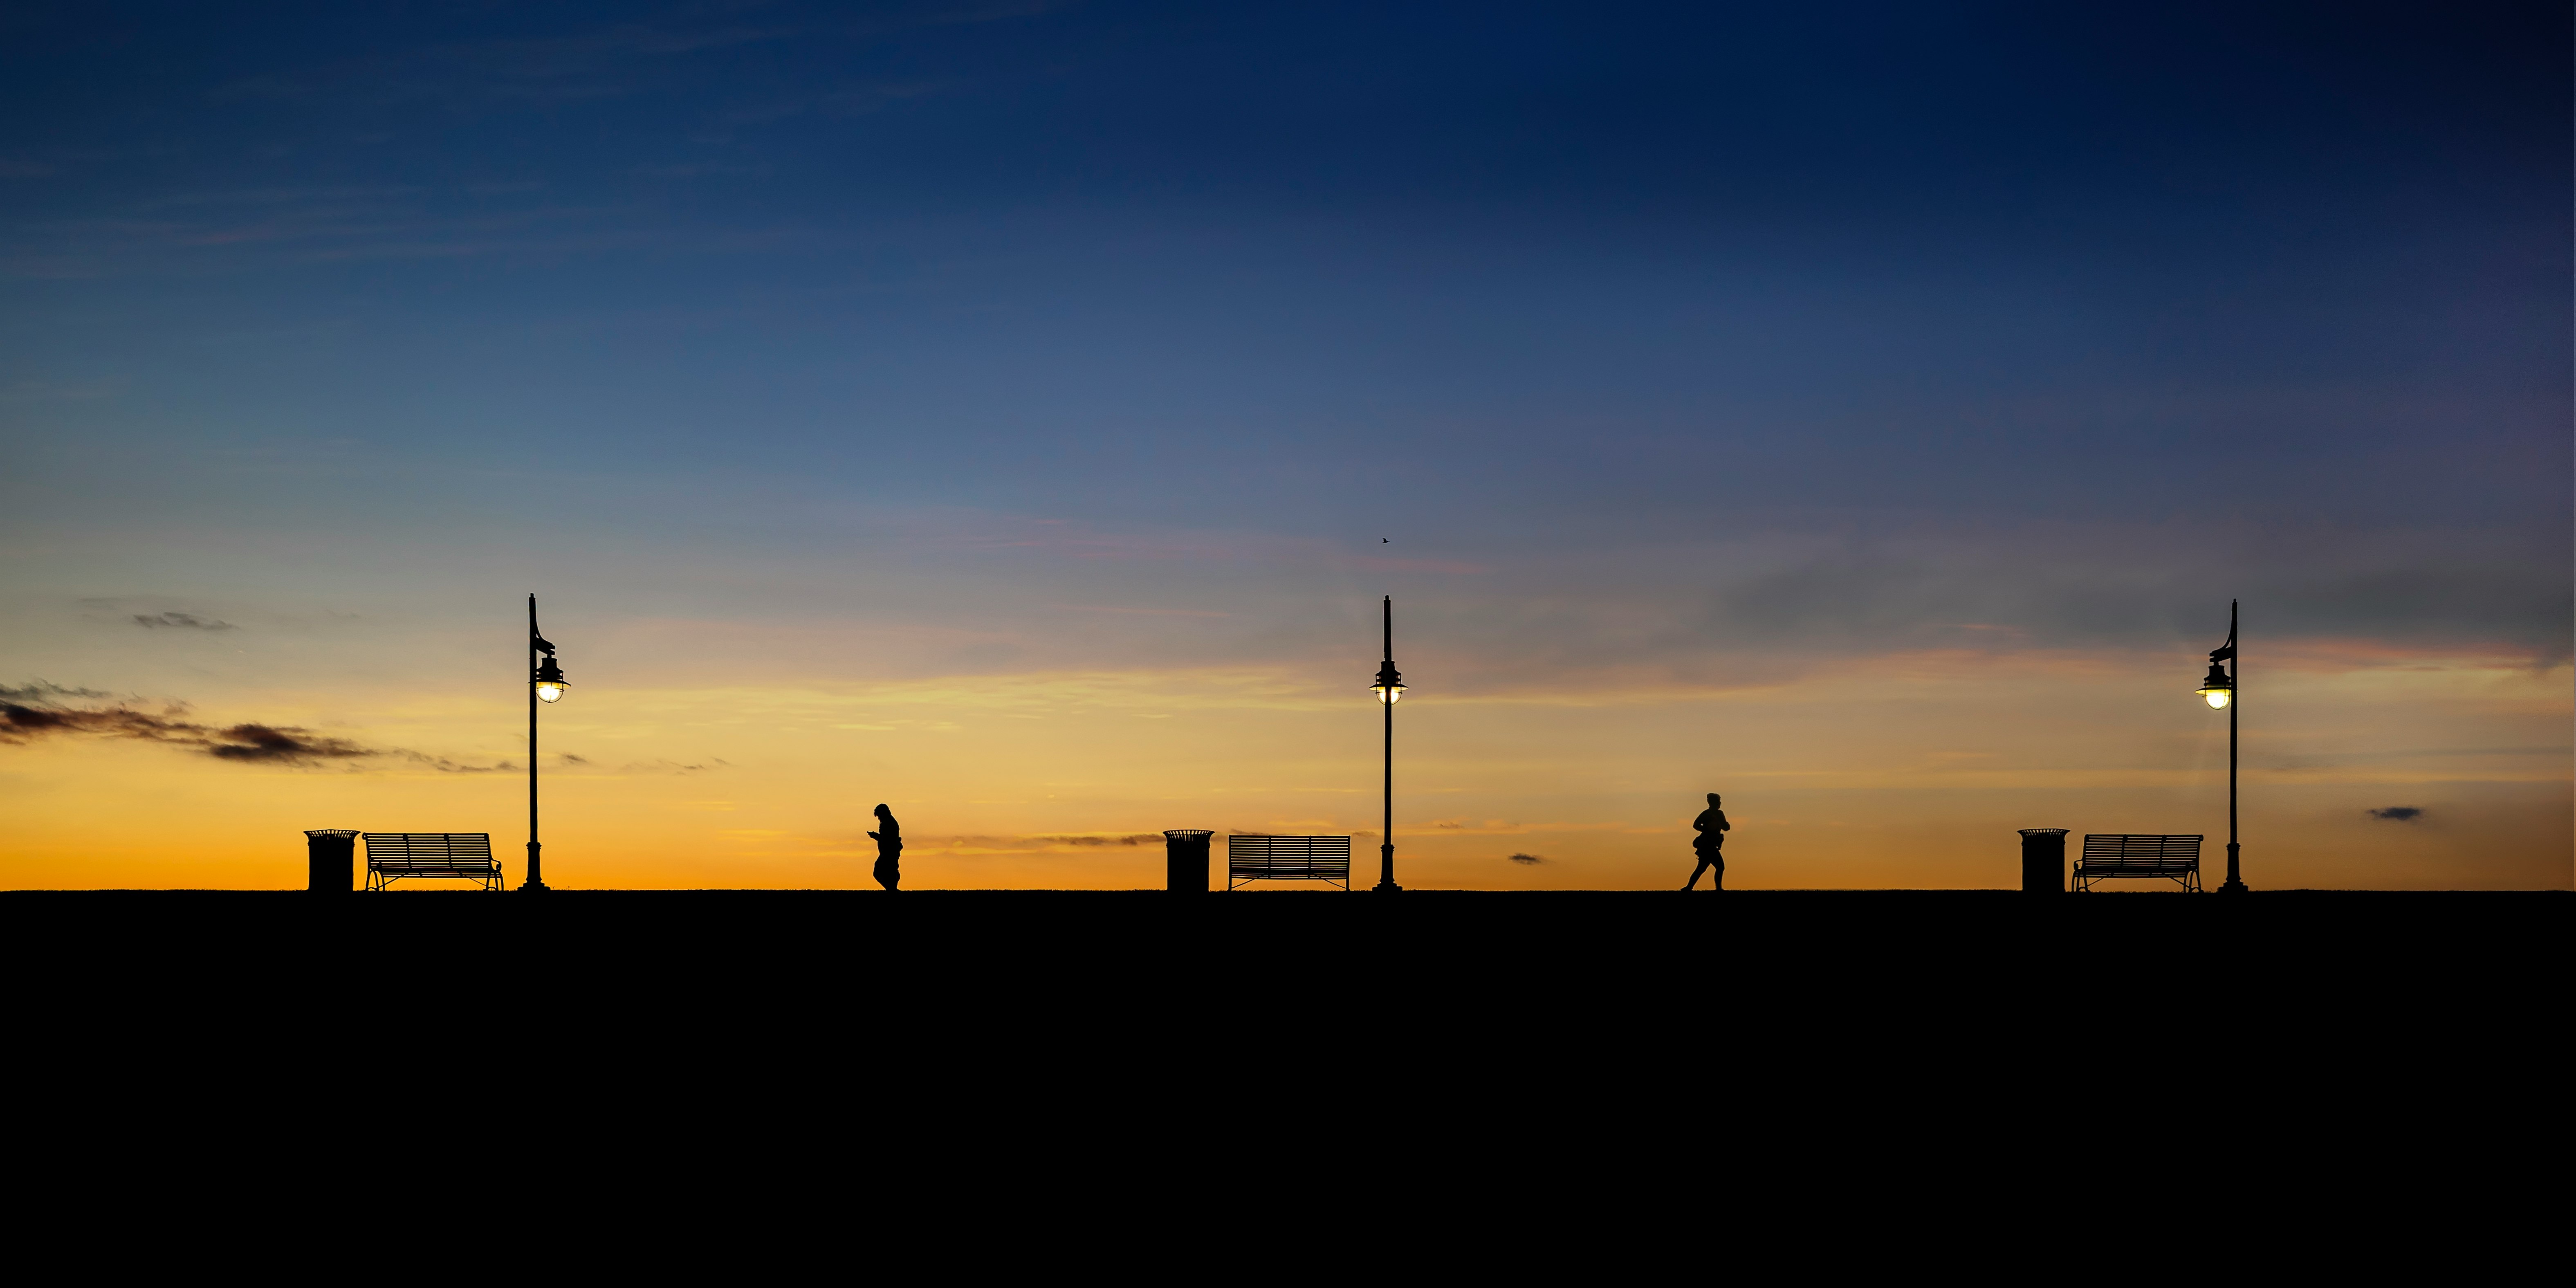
(698, 170)
(183, 621)
(250, 228)
(267, 744)
(30, 712)
(617, 60)
(1022, 844)
(2396, 814)
(41, 391)
(1142, 612)
(40, 691)
(600, 62)
(445, 766)
(2059, 586)
(670, 766)
(38, 710)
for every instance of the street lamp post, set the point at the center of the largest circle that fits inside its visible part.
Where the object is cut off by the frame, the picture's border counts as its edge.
(2219, 688)
(1389, 688)
(545, 684)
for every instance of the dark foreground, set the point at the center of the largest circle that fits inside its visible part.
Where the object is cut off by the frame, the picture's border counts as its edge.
(1429, 955)
(1362, 1037)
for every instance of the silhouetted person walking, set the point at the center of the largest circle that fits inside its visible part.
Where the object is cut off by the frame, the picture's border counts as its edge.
(1709, 845)
(889, 838)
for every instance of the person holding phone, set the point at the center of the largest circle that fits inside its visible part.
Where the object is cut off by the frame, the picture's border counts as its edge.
(889, 839)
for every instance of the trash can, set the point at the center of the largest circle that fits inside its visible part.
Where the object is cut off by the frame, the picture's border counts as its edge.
(2043, 860)
(331, 859)
(1185, 858)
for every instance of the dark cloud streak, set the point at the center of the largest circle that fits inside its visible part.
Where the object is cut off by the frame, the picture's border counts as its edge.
(247, 743)
(37, 710)
(41, 692)
(183, 621)
(264, 744)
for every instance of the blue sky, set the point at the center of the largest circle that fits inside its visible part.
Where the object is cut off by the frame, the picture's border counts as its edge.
(1935, 261)
(1682, 344)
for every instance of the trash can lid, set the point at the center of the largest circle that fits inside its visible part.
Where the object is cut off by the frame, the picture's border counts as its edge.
(333, 831)
(1185, 833)
(2043, 831)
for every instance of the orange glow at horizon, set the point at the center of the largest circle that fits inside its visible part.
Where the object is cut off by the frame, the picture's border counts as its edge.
(1909, 770)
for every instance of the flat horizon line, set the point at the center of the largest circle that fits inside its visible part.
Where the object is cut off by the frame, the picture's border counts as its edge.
(1146, 890)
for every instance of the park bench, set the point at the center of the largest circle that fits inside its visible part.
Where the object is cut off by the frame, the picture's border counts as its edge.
(1287, 858)
(2121, 854)
(465, 856)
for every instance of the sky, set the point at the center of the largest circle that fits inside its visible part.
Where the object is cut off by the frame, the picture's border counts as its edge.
(1014, 413)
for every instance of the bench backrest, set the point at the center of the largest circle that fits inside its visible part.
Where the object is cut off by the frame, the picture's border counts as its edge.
(1250, 853)
(470, 851)
(2140, 852)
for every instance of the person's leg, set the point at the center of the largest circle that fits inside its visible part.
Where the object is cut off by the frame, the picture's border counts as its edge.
(1716, 861)
(1693, 883)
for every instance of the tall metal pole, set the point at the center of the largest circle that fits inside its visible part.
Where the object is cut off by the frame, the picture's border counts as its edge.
(1386, 850)
(536, 870)
(2235, 697)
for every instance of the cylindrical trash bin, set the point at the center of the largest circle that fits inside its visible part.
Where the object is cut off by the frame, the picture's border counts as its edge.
(2043, 860)
(331, 859)
(1185, 859)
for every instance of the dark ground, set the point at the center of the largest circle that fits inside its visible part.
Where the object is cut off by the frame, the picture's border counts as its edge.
(1620, 1086)
(1984, 1053)
(1959, 960)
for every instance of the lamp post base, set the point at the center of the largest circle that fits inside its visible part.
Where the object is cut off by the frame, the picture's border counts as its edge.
(2235, 884)
(535, 880)
(1386, 869)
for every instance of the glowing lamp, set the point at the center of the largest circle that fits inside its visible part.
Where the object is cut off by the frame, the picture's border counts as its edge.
(1390, 686)
(550, 682)
(2217, 687)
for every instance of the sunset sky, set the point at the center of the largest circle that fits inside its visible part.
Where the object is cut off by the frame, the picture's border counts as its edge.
(1013, 412)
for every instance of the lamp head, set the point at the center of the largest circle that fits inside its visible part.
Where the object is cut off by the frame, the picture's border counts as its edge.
(1390, 686)
(2217, 687)
(550, 681)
